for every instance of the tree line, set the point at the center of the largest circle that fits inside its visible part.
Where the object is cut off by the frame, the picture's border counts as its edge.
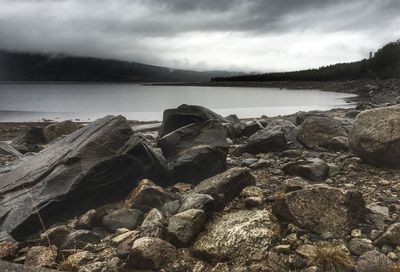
(384, 64)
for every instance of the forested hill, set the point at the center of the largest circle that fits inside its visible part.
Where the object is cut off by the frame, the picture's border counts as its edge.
(384, 64)
(17, 66)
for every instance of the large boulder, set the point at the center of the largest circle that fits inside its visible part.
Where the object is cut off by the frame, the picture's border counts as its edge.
(375, 136)
(270, 139)
(289, 130)
(196, 152)
(185, 115)
(98, 163)
(322, 209)
(29, 140)
(237, 236)
(317, 132)
(225, 186)
(56, 130)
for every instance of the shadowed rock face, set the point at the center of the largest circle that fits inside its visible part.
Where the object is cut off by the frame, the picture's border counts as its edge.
(196, 152)
(375, 137)
(74, 173)
(185, 115)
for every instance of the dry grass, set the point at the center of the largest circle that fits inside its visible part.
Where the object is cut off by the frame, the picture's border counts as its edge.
(394, 267)
(333, 258)
(68, 266)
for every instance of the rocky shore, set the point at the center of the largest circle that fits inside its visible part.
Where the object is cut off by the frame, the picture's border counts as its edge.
(313, 191)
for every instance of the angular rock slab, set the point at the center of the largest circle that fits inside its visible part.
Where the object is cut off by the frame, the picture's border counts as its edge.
(6, 149)
(264, 141)
(236, 236)
(184, 115)
(313, 169)
(225, 186)
(93, 165)
(317, 132)
(375, 137)
(196, 152)
(12, 267)
(322, 209)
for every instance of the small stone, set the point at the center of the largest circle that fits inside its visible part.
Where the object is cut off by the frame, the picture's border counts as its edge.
(384, 182)
(283, 249)
(123, 218)
(356, 233)
(55, 236)
(8, 250)
(89, 220)
(130, 235)
(81, 258)
(79, 239)
(253, 202)
(184, 226)
(150, 253)
(358, 246)
(307, 251)
(392, 255)
(221, 267)
(41, 256)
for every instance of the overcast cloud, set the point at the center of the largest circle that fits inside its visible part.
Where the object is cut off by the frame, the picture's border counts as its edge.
(240, 35)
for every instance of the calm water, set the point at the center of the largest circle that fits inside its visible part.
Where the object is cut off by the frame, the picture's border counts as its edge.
(32, 102)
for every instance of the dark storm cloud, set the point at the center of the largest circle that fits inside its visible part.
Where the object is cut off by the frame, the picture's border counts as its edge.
(212, 34)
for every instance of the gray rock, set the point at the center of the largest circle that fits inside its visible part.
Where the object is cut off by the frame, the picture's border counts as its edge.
(197, 201)
(302, 116)
(312, 169)
(322, 209)
(97, 163)
(8, 150)
(373, 261)
(358, 246)
(12, 267)
(183, 227)
(251, 128)
(289, 130)
(154, 224)
(89, 220)
(41, 256)
(56, 235)
(317, 132)
(148, 195)
(150, 253)
(391, 236)
(30, 139)
(225, 186)
(352, 114)
(264, 141)
(53, 131)
(295, 184)
(375, 137)
(184, 115)
(79, 239)
(237, 236)
(172, 207)
(196, 152)
(123, 218)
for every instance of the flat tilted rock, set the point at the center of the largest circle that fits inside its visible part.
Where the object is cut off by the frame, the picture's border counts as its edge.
(375, 136)
(225, 186)
(323, 209)
(95, 164)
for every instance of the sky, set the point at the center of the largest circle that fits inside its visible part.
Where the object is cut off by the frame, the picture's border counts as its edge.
(234, 35)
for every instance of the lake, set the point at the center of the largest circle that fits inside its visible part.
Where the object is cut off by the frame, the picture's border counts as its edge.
(85, 102)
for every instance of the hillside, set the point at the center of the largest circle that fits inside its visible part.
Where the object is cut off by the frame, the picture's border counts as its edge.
(18, 66)
(384, 64)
